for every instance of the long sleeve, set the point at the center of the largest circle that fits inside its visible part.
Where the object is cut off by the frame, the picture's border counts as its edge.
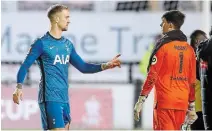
(81, 65)
(34, 52)
(192, 77)
(152, 75)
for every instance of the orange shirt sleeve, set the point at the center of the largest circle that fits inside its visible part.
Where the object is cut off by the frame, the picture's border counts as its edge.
(192, 77)
(152, 75)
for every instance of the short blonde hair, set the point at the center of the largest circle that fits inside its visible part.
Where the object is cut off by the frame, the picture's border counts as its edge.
(55, 9)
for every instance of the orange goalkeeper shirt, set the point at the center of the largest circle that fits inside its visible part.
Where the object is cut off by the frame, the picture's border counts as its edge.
(173, 72)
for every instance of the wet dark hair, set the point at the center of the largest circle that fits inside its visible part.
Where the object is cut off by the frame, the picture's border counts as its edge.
(194, 36)
(175, 17)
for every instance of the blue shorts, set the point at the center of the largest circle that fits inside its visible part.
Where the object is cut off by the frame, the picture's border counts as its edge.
(54, 114)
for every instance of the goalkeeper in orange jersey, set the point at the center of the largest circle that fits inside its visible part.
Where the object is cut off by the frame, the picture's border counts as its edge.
(172, 70)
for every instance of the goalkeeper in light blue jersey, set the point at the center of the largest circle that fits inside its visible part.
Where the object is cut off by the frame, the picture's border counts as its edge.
(53, 53)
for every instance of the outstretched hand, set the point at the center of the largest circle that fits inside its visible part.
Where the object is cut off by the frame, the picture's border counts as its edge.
(113, 63)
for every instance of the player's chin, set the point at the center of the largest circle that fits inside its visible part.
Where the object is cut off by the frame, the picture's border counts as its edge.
(65, 29)
(162, 30)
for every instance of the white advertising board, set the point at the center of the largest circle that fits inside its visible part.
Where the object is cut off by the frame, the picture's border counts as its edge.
(96, 36)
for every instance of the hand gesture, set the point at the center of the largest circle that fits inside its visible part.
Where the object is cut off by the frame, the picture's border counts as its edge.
(17, 95)
(113, 63)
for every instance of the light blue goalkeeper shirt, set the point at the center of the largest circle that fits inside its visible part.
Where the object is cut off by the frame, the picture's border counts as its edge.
(53, 56)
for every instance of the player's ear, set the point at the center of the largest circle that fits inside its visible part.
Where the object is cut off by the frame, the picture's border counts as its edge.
(56, 19)
(170, 26)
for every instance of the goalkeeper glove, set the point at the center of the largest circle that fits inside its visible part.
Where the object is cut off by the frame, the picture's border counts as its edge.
(138, 106)
(191, 117)
(185, 127)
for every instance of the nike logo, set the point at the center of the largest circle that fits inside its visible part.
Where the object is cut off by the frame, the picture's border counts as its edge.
(52, 47)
